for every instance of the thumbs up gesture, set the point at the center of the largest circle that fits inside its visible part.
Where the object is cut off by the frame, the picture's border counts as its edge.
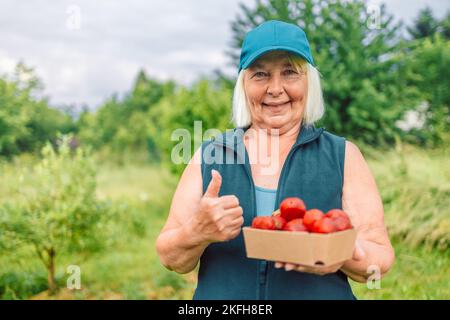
(219, 218)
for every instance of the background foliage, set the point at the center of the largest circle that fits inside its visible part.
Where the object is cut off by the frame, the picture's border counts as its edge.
(98, 197)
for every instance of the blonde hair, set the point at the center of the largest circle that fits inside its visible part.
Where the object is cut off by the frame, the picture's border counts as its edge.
(314, 108)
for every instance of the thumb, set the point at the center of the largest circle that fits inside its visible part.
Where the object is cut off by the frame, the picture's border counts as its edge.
(214, 184)
(359, 253)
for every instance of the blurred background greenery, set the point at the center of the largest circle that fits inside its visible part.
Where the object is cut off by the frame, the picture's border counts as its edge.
(94, 189)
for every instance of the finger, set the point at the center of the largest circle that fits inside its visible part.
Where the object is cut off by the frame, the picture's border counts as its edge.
(227, 223)
(318, 271)
(302, 269)
(359, 253)
(233, 232)
(289, 266)
(279, 265)
(232, 226)
(230, 201)
(214, 185)
(228, 217)
(238, 222)
(234, 213)
(330, 267)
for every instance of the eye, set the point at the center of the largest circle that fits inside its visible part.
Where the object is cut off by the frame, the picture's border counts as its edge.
(260, 74)
(289, 72)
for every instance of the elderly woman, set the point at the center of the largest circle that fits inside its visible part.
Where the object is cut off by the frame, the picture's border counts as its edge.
(277, 97)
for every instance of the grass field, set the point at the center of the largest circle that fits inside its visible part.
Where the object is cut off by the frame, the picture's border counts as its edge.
(414, 185)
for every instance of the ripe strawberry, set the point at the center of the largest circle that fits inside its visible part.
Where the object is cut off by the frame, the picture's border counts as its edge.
(334, 213)
(292, 208)
(342, 223)
(311, 216)
(325, 225)
(266, 223)
(279, 222)
(295, 225)
(340, 219)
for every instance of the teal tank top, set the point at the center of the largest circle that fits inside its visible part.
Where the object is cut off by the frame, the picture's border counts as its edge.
(265, 200)
(313, 171)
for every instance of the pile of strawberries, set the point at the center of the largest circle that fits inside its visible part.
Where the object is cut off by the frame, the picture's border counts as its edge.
(293, 216)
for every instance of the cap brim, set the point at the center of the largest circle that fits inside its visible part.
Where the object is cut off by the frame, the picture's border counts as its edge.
(262, 51)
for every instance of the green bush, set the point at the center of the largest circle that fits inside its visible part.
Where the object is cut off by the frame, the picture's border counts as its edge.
(55, 209)
(22, 285)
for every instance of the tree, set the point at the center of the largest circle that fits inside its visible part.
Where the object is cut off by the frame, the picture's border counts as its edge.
(426, 64)
(121, 125)
(354, 49)
(56, 208)
(207, 101)
(425, 24)
(26, 119)
(444, 26)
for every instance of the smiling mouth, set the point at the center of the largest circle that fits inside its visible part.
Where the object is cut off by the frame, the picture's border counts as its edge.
(275, 105)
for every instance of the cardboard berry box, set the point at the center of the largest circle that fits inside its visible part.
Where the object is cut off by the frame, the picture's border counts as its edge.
(309, 249)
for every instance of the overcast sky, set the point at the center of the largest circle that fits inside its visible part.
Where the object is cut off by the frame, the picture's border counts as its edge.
(84, 60)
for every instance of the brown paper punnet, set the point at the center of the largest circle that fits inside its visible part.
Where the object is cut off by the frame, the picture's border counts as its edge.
(309, 249)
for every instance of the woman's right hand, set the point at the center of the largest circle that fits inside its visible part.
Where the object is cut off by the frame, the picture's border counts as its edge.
(219, 218)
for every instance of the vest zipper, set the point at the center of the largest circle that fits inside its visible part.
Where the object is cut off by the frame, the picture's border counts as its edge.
(283, 169)
(280, 183)
(263, 266)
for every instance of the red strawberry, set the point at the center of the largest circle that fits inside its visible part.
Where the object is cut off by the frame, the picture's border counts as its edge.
(279, 222)
(311, 216)
(342, 223)
(266, 223)
(295, 225)
(340, 219)
(334, 213)
(292, 208)
(325, 225)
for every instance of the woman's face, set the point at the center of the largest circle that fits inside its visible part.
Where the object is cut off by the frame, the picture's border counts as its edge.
(276, 93)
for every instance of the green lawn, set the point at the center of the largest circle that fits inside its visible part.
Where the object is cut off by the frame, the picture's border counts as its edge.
(414, 186)
(416, 274)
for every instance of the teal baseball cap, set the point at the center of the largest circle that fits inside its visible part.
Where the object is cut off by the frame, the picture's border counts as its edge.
(274, 35)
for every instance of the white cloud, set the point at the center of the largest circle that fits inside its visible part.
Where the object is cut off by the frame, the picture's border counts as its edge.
(7, 63)
(170, 39)
(180, 40)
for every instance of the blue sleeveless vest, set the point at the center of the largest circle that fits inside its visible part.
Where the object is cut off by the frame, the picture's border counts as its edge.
(313, 171)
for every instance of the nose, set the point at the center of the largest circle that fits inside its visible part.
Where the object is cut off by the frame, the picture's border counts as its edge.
(275, 86)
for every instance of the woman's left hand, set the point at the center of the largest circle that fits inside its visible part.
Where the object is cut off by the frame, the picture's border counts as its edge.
(358, 255)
